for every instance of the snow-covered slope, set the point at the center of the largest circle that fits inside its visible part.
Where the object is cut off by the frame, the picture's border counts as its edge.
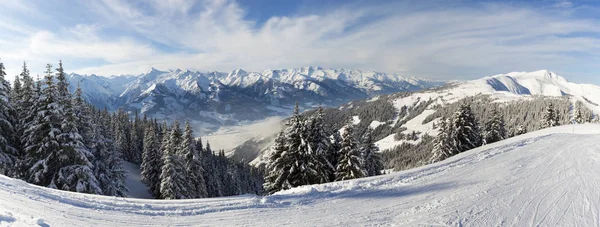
(503, 87)
(544, 178)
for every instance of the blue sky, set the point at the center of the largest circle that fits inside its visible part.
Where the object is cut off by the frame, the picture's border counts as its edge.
(445, 40)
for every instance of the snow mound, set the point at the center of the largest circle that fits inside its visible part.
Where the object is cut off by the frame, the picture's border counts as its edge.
(543, 178)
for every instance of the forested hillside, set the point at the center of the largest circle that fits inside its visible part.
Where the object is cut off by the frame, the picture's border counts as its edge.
(53, 138)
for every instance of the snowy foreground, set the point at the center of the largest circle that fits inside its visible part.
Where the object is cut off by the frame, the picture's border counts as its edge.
(547, 178)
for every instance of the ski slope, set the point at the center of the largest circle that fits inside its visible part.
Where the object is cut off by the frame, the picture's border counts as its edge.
(544, 178)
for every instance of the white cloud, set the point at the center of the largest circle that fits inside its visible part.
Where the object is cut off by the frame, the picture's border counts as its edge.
(439, 43)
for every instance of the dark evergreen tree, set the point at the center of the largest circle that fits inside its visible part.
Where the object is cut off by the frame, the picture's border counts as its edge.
(550, 117)
(466, 133)
(8, 152)
(75, 168)
(108, 161)
(41, 141)
(318, 147)
(370, 152)
(277, 171)
(351, 163)
(152, 161)
(494, 129)
(173, 183)
(444, 146)
(193, 165)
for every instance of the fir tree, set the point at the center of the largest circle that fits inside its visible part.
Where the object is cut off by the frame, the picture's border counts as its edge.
(319, 147)
(277, 171)
(193, 164)
(333, 154)
(466, 129)
(443, 143)
(550, 117)
(108, 161)
(41, 142)
(75, 168)
(8, 152)
(152, 161)
(370, 152)
(351, 163)
(494, 129)
(173, 184)
(578, 116)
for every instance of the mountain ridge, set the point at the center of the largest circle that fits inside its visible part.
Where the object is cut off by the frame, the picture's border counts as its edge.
(215, 98)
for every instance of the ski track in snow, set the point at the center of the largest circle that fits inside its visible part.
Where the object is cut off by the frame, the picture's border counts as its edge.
(544, 178)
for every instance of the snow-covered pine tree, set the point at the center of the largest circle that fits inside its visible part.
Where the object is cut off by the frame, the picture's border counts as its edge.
(214, 185)
(276, 168)
(578, 116)
(123, 135)
(24, 100)
(351, 163)
(83, 113)
(466, 129)
(108, 164)
(8, 152)
(75, 168)
(550, 117)
(443, 144)
(370, 152)
(137, 140)
(320, 146)
(304, 169)
(173, 183)
(152, 161)
(333, 153)
(494, 128)
(193, 164)
(41, 142)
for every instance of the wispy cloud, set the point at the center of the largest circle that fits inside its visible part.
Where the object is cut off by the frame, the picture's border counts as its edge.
(454, 42)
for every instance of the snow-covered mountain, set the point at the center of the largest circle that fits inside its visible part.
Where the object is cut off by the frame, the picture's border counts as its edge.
(410, 111)
(544, 178)
(217, 98)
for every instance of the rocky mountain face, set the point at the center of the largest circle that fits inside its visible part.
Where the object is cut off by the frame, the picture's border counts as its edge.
(214, 99)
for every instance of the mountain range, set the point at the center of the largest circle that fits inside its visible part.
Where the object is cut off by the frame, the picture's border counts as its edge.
(214, 99)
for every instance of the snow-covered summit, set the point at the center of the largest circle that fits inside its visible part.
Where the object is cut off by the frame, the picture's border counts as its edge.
(544, 178)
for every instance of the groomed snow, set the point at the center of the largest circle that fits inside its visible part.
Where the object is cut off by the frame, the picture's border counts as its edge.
(544, 178)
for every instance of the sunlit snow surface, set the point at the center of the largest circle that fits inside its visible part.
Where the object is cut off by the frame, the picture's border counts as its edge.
(545, 178)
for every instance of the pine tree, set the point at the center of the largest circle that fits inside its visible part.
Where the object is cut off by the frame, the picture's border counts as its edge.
(494, 129)
(351, 163)
(193, 165)
(578, 116)
(370, 152)
(8, 152)
(152, 161)
(108, 163)
(333, 153)
(318, 147)
(443, 144)
(173, 184)
(83, 112)
(41, 142)
(277, 171)
(466, 129)
(550, 117)
(75, 168)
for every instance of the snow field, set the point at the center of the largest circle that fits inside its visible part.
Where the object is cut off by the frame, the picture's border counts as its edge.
(543, 178)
